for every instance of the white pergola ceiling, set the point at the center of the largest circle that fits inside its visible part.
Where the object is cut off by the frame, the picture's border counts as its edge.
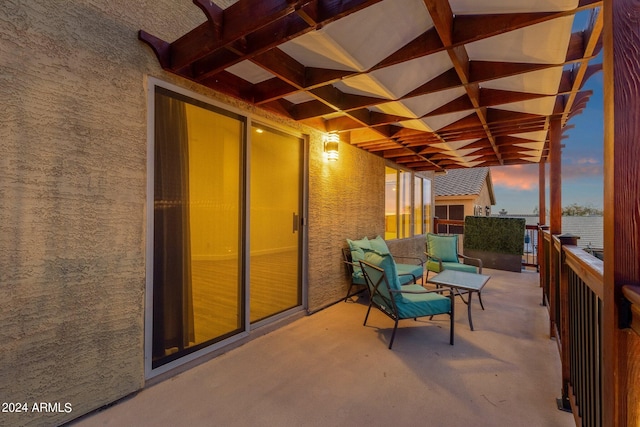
(431, 84)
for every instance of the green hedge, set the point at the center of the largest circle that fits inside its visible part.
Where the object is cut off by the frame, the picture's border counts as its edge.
(494, 234)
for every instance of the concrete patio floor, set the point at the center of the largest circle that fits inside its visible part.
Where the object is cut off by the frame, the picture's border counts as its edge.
(328, 369)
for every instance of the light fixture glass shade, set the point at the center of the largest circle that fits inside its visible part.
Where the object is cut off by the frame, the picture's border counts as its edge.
(331, 146)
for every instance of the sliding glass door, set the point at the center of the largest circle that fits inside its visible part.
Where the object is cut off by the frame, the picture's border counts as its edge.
(197, 293)
(276, 160)
(215, 189)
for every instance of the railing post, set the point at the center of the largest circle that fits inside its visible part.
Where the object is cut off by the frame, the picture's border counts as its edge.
(562, 320)
(545, 266)
(555, 251)
(542, 265)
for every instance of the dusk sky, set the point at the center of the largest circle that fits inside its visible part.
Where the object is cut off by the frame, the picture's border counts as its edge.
(516, 187)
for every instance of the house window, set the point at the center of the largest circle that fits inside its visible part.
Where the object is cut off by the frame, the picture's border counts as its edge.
(422, 205)
(450, 212)
(407, 204)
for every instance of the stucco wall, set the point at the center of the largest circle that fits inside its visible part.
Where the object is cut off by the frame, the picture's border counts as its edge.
(346, 200)
(484, 199)
(73, 189)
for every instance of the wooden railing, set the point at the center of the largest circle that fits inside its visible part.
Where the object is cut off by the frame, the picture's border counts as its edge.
(600, 383)
(584, 288)
(573, 289)
(530, 255)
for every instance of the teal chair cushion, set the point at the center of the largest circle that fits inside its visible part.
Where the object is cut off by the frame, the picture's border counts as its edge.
(378, 244)
(357, 248)
(358, 278)
(385, 262)
(423, 304)
(404, 270)
(363, 243)
(443, 247)
(434, 266)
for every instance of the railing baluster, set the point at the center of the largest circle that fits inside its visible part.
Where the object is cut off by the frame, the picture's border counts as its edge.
(585, 345)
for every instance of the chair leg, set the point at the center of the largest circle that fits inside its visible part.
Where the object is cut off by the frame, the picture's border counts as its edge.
(393, 334)
(367, 316)
(452, 319)
(480, 298)
(348, 292)
(451, 334)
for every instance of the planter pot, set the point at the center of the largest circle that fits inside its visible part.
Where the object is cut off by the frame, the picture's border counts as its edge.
(506, 262)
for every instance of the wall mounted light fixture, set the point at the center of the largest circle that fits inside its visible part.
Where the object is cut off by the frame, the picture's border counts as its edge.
(331, 146)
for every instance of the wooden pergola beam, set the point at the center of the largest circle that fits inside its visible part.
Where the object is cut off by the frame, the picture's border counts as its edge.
(621, 364)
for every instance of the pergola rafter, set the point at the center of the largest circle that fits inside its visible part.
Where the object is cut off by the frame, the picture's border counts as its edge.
(478, 100)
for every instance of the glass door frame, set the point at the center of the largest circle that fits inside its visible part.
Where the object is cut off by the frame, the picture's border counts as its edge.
(303, 239)
(150, 84)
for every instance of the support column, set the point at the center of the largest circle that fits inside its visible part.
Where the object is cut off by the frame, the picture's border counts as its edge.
(555, 217)
(542, 191)
(621, 355)
(542, 220)
(555, 176)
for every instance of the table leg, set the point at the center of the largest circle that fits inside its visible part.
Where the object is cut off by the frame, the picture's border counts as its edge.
(469, 310)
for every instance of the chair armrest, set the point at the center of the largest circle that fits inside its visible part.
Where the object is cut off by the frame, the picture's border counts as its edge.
(350, 266)
(409, 274)
(434, 258)
(426, 291)
(478, 261)
(417, 260)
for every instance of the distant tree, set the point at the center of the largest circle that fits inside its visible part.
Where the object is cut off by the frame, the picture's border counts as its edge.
(502, 212)
(575, 209)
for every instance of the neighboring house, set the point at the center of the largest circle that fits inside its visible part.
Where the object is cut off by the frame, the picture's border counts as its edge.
(462, 192)
(589, 229)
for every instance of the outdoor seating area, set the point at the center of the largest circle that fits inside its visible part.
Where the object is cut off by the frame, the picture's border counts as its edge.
(442, 253)
(411, 272)
(326, 369)
(188, 186)
(404, 302)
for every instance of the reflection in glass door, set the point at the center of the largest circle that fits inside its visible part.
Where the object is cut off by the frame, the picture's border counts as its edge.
(275, 207)
(197, 293)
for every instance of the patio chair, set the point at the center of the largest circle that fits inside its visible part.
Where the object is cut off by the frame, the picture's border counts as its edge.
(409, 273)
(442, 253)
(402, 301)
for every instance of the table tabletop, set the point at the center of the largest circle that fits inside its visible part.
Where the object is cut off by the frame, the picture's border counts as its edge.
(460, 279)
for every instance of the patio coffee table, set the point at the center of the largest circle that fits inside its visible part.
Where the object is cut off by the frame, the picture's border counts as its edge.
(462, 281)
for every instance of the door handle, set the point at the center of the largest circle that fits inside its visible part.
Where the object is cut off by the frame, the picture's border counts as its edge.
(296, 222)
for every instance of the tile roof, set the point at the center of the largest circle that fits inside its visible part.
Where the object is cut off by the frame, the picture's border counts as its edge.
(589, 228)
(461, 182)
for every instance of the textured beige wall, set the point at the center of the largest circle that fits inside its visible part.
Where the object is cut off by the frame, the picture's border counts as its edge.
(346, 200)
(73, 143)
(484, 198)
